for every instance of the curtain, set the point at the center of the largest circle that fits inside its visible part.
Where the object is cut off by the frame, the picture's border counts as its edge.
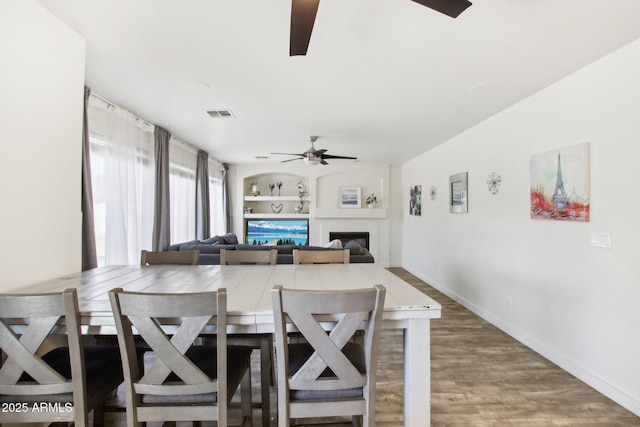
(183, 164)
(225, 199)
(161, 209)
(218, 224)
(122, 175)
(202, 196)
(89, 253)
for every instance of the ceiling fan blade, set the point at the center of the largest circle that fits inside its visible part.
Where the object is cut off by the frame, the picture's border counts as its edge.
(291, 160)
(322, 162)
(303, 16)
(320, 152)
(451, 8)
(329, 156)
(292, 154)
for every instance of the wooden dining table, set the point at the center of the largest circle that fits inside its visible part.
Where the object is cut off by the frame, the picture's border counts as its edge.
(250, 310)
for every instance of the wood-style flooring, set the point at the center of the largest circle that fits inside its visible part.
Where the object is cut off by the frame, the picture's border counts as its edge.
(480, 376)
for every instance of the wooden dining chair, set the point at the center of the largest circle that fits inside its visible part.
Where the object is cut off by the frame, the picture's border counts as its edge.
(249, 257)
(186, 382)
(60, 385)
(321, 257)
(330, 374)
(262, 342)
(169, 257)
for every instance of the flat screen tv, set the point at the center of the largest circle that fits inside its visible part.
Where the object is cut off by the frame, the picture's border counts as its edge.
(279, 231)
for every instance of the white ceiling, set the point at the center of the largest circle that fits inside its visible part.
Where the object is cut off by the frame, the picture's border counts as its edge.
(384, 80)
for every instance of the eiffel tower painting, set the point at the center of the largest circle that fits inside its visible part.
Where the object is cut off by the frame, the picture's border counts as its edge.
(554, 172)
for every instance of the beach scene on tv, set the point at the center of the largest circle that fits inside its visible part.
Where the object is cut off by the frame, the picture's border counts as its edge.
(277, 232)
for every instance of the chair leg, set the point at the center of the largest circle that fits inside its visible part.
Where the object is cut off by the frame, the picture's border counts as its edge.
(266, 369)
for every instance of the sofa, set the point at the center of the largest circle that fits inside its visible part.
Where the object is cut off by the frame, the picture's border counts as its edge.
(210, 249)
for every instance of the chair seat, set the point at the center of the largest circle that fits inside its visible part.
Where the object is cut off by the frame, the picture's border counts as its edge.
(103, 368)
(238, 359)
(299, 353)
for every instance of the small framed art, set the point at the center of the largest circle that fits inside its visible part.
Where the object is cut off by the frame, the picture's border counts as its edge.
(458, 197)
(349, 196)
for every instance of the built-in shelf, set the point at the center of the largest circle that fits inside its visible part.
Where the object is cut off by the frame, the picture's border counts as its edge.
(273, 198)
(364, 213)
(276, 216)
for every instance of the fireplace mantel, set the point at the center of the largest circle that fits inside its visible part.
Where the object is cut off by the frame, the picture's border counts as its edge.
(338, 213)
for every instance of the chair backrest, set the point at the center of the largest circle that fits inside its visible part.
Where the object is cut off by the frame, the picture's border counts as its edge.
(257, 257)
(353, 310)
(25, 323)
(170, 257)
(187, 315)
(321, 257)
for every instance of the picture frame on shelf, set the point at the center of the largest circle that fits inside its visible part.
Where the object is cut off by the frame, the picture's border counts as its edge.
(350, 196)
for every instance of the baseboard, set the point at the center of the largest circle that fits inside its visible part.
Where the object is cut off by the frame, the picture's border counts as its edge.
(584, 375)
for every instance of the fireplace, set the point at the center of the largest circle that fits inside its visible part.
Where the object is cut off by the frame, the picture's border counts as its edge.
(361, 237)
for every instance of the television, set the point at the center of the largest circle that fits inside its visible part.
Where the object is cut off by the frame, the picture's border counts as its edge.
(277, 231)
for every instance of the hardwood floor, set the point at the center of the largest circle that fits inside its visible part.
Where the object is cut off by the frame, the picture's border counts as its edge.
(481, 377)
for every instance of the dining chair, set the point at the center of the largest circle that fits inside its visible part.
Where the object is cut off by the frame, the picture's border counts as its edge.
(330, 374)
(186, 382)
(262, 342)
(249, 257)
(321, 257)
(169, 257)
(40, 382)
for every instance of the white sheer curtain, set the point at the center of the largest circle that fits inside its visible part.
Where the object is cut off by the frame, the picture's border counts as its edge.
(216, 202)
(183, 161)
(122, 172)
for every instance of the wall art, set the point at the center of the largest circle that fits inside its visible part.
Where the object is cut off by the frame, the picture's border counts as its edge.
(458, 197)
(494, 182)
(433, 192)
(415, 201)
(349, 196)
(560, 184)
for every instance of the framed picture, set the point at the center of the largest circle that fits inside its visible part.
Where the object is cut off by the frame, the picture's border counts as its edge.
(560, 184)
(458, 193)
(415, 200)
(349, 196)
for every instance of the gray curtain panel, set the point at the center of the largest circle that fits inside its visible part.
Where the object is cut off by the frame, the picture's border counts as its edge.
(202, 196)
(89, 253)
(161, 215)
(225, 199)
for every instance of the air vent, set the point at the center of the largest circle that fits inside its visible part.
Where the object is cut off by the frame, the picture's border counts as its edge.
(220, 114)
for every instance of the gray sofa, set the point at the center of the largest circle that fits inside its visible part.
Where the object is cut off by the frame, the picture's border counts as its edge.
(210, 249)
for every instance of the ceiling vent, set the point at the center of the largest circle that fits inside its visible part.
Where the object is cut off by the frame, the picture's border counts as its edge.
(220, 114)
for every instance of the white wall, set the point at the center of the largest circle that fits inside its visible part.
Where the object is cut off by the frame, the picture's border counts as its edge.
(323, 190)
(41, 99)
(541, 281)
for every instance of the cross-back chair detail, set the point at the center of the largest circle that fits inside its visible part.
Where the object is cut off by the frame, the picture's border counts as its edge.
(33, 375)
(169, 257)
(330, 374)
(186, 382)
(248, 257)
(321, 257)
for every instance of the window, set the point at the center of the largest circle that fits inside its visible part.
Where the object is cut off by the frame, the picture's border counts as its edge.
(122, 173)
(217, 223)
(183, 161)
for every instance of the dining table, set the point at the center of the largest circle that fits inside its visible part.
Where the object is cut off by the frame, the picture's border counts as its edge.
(249, 305)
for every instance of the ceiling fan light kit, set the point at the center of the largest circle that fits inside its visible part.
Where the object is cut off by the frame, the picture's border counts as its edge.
(303, 17)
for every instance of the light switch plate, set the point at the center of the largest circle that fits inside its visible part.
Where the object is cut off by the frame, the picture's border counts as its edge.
(601, 239)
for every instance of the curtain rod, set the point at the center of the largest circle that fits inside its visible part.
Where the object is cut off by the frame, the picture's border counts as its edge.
(148, 123)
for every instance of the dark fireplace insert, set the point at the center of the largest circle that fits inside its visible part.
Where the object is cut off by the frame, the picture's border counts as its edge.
(361, 237)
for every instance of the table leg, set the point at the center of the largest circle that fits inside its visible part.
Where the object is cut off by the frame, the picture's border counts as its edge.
(417, 374)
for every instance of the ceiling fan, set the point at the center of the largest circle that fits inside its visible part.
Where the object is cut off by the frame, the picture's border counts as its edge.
(303, 16)
(313, 156)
